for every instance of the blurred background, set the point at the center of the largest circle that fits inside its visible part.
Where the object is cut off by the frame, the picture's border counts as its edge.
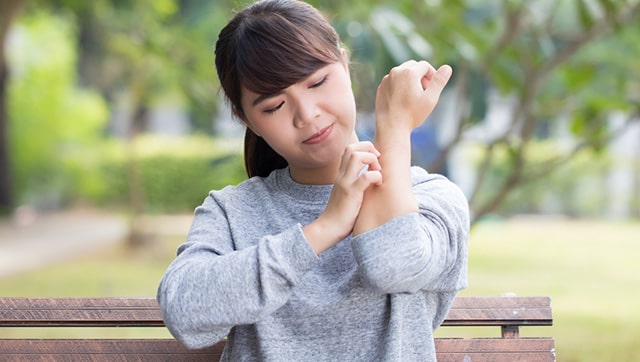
(113, 128)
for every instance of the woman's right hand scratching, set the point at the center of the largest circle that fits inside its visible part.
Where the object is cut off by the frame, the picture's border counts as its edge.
(359, 169)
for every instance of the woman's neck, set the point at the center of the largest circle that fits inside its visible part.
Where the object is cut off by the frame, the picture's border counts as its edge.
(315, 176)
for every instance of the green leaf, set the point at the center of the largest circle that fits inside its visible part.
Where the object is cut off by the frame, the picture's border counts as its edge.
(584, 14)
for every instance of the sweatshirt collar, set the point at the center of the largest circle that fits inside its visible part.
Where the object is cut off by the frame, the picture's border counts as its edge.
(312, 193)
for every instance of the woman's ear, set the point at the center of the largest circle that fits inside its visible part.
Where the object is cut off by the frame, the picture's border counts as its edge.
(345, 62)
(345, 58)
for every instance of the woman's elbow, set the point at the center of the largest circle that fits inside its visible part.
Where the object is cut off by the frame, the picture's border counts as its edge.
(386, 280)
(184, 325)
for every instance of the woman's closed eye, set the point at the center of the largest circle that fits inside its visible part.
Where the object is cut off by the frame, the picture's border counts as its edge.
(274, 109)
(321, 82)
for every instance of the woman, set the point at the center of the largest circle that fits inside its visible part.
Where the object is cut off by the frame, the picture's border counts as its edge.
(334, 249)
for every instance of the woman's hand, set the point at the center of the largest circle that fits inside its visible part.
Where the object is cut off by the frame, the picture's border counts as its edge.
(408, 94)
(406, 97)
(359, 169)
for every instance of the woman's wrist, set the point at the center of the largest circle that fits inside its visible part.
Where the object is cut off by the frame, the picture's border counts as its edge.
(394, 144)
(321, 235)
(392, 130)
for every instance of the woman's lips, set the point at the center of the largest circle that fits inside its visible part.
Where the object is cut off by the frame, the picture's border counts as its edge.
(319, 136)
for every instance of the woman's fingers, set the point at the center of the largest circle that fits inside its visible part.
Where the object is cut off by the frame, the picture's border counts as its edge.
(359, 169)
(368, 178)
(427, 76)
(409, 93)
(436, 81)
(360, 159)
(433, 81)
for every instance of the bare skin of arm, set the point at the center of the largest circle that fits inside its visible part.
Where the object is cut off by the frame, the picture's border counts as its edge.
(405, 98)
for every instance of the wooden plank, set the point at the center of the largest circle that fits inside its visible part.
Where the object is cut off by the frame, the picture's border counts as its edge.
(476, 345)
(496, 357)
(508, 312)
(105, 350)
(500, 302)
(500, 311)
(80, 312)
(110, 358)
(144, 312)
(448, 349)
(495, 349)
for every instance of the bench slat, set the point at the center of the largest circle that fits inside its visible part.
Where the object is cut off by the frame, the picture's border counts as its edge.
(80, 312)
(484, 311)
(484, 349)
(495, 349)
(144, 312)
(104, 347)
(483, 345)
(508, 312)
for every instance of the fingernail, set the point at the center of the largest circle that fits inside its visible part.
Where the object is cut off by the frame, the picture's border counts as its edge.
(446, 70)
(364, 169)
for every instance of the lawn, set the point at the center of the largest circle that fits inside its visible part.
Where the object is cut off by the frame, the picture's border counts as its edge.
(589, 268)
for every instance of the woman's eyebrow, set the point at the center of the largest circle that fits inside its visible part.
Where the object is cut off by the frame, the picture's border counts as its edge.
(264, 97)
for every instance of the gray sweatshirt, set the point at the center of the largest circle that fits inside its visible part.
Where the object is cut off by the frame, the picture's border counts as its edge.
(247, 272)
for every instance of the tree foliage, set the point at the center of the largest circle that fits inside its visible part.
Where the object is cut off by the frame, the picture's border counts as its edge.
(561, 65)
(53, 118)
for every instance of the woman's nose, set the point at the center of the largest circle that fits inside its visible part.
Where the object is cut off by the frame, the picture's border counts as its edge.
(307, 111)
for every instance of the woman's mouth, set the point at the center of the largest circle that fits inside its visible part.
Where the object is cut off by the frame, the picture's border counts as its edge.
(319, 136)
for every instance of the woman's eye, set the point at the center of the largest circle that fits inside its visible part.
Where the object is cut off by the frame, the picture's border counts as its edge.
(321, 82)
(274, 109)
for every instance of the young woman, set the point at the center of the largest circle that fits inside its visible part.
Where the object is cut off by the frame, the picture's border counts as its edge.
(333, 249)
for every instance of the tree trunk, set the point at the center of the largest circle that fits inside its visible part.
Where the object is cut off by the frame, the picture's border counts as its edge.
(6, 200)
(137, 235)
(8, 12)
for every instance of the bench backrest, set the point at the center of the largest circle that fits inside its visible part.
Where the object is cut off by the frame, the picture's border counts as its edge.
(509, 313)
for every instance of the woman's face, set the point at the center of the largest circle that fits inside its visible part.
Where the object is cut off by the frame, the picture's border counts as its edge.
(309, 123)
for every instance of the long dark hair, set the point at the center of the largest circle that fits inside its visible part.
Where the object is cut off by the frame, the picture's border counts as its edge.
(265, 48)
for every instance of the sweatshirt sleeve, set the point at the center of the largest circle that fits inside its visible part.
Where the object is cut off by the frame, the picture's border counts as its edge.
(419, 251)
(210, 287)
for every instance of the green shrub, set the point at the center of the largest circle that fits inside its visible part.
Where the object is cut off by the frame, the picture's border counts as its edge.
(175, 173)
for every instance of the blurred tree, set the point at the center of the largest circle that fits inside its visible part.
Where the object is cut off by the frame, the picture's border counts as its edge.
(572, 61)
(136, 53)
(52, 119)
(8, 12)
(162, 43)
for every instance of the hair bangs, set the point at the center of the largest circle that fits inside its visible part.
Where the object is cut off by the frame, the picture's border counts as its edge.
(269, 60)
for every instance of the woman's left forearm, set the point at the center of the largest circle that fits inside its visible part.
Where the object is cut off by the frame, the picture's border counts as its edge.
(405, 98)
(394, 197)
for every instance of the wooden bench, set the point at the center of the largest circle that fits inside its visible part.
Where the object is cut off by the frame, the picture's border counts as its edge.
(507, 312)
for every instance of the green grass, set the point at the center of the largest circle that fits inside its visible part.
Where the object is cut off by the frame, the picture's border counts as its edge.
(587, 267)
(112, 272)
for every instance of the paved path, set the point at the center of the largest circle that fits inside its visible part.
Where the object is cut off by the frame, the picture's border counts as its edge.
(30, 241)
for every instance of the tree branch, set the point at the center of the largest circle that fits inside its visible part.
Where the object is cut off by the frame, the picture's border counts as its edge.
(548, 167)
(597, 30)
(510, 32)
(461, 96)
